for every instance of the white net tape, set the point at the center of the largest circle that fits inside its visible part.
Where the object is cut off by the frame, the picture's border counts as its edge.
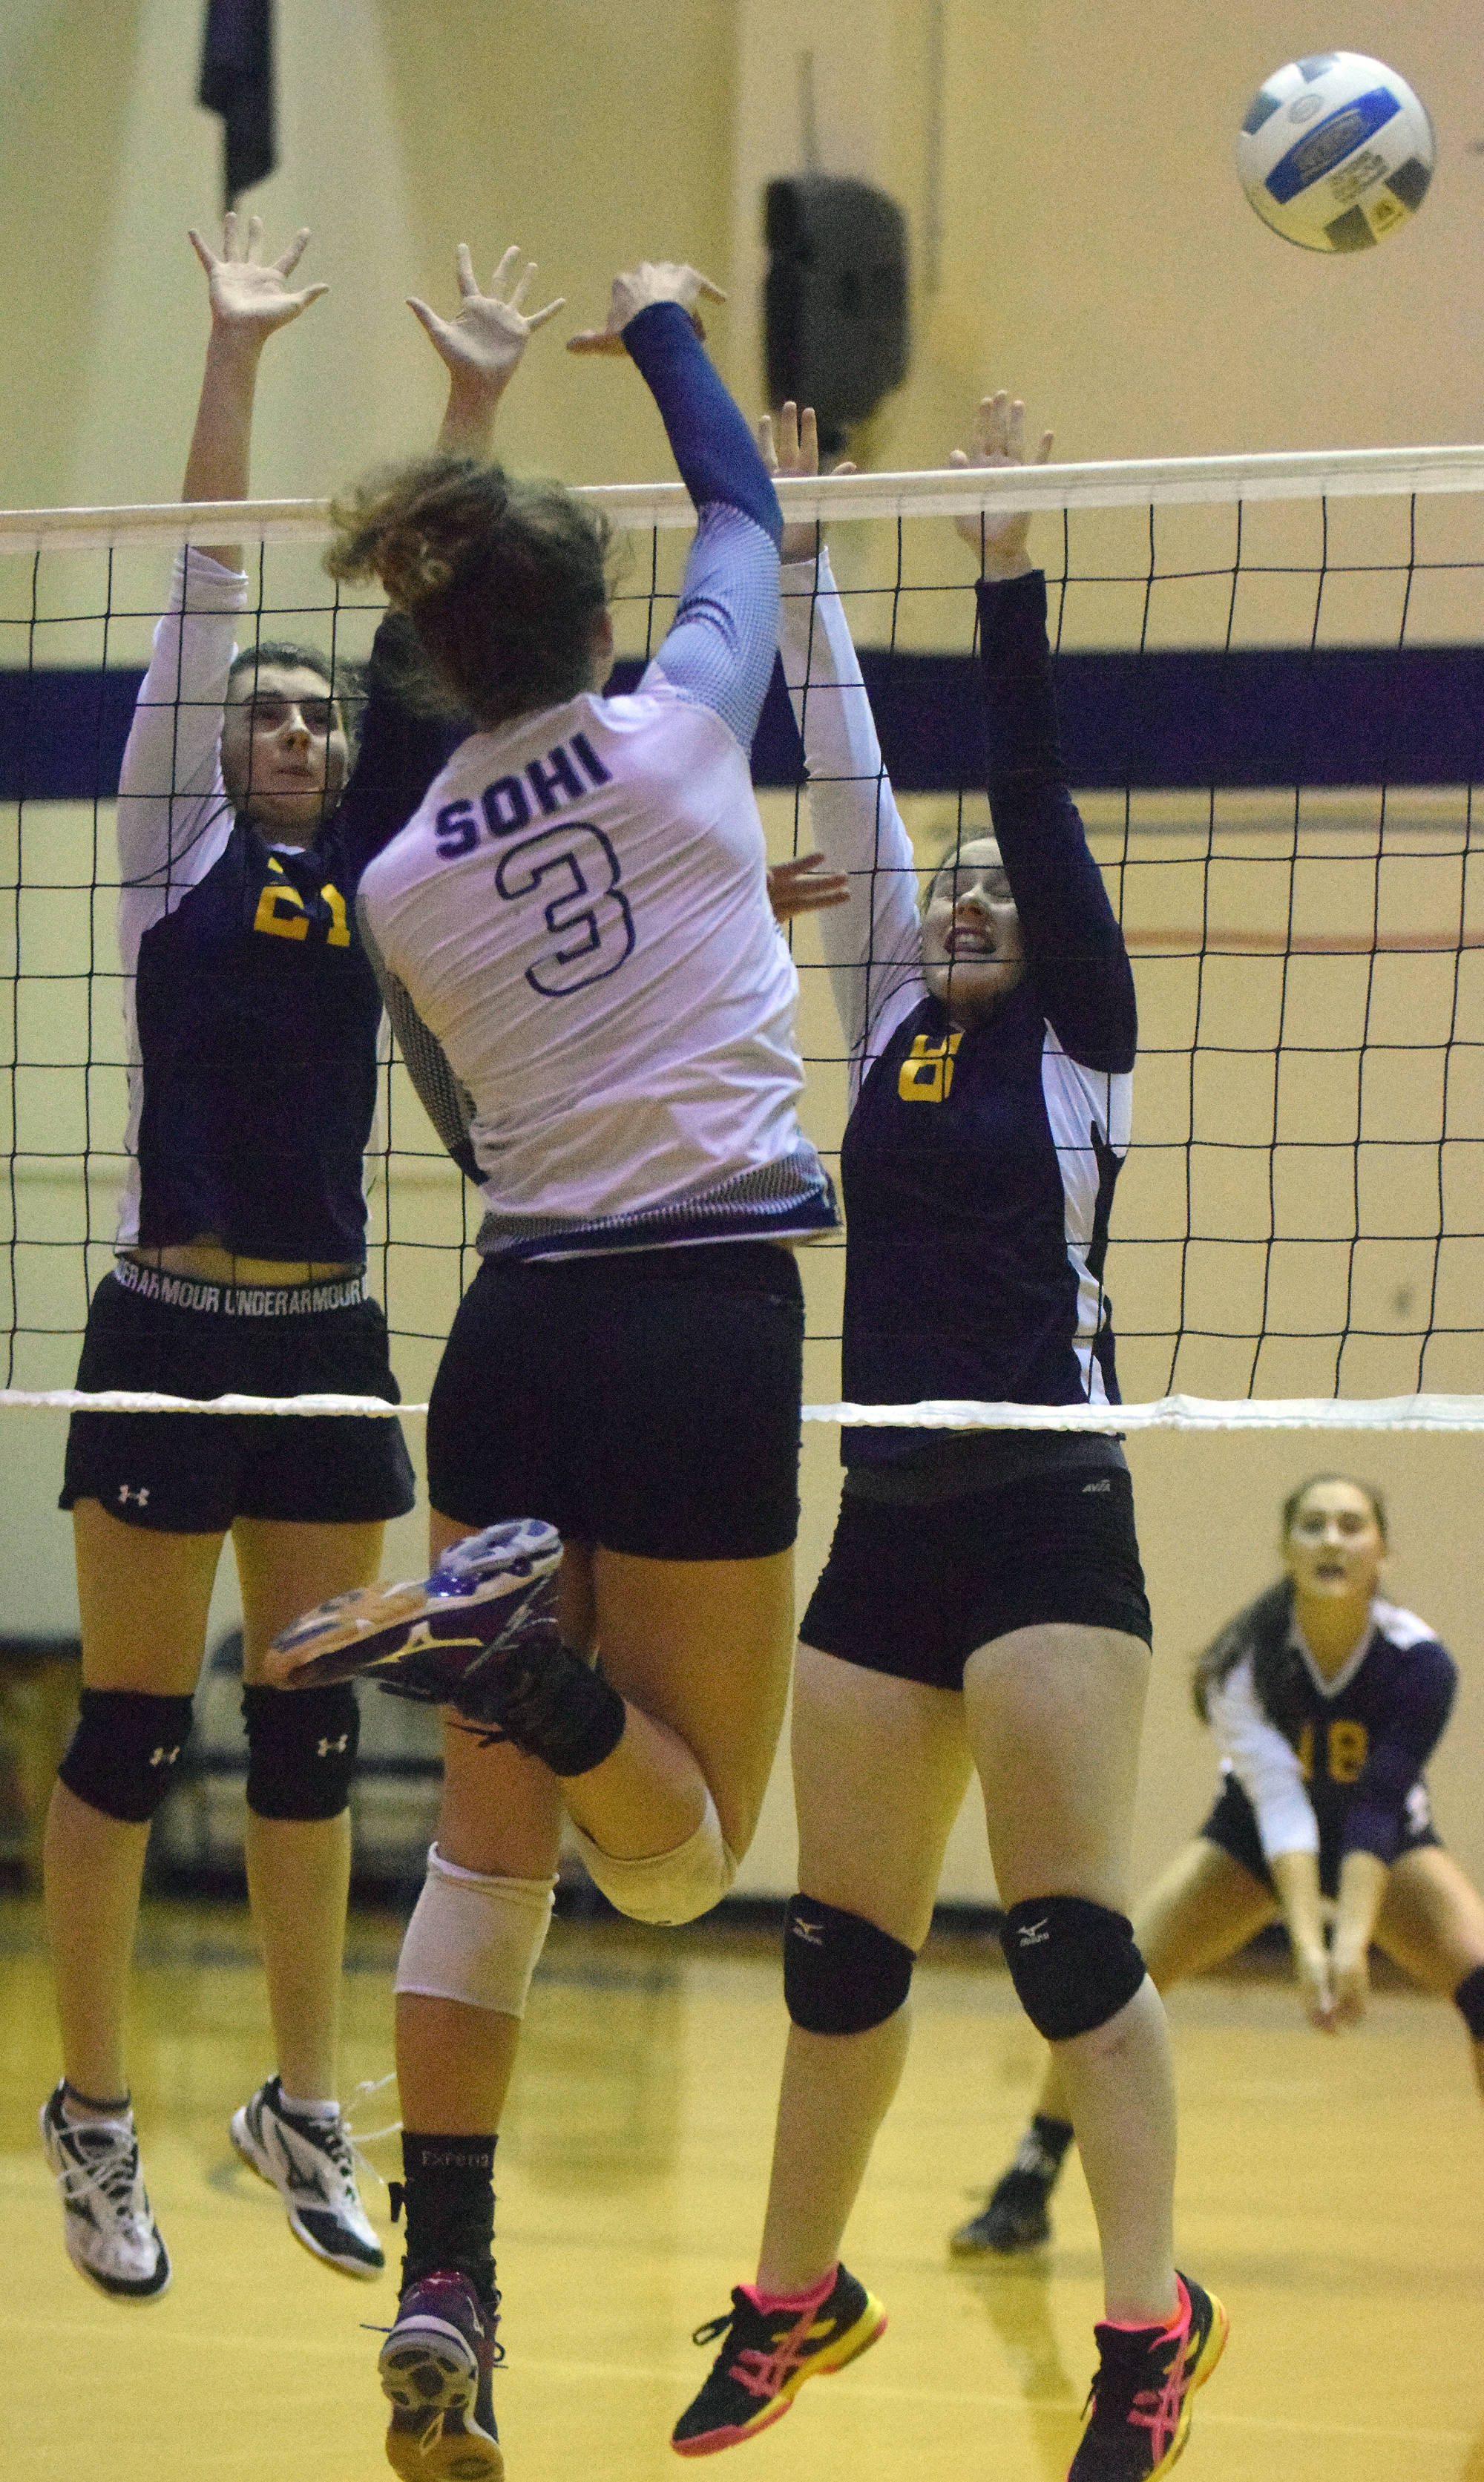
(1428, 1412)
(938, 491)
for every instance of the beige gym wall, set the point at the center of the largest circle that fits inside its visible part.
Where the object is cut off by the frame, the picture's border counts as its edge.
(1094, 250)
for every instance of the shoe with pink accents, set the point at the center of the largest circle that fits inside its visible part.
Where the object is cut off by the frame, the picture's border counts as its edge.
(1139, 2403)
(768, 2354)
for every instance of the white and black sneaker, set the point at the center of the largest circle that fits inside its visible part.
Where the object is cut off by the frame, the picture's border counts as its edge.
(111, 2235)
(312, 2166)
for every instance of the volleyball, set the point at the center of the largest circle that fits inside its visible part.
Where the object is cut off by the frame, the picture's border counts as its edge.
(1335, 151)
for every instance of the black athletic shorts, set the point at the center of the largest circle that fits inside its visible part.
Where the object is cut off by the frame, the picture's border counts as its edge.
(914, 1589)
(646, 1400)
(1234, 1824)
(193, 1473)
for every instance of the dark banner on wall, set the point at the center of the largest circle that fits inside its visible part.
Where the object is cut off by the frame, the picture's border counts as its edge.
(1171, 718)
(238, 81)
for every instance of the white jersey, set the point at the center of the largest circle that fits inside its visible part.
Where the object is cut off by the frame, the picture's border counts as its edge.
(579, 916)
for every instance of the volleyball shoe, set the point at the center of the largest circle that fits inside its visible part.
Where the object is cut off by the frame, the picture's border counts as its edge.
(421, 1638)
(111, 2235)
(311, 2164)
(436, 2367)
(1138, 2406)
(769, 2353)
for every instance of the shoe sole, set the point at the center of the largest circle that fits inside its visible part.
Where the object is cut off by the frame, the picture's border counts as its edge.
(367, 1613)
(967, 2242)
(129, 2296)
(435, 2371)
(241, 2148)
(1204, 2362)
(869, 2329)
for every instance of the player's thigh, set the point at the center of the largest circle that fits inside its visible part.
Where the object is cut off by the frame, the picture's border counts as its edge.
(880, 1769)
(498, 1813)
(285, 1569)
(704, 1645)
(1431, 1921)
(1053, 1715)
(143, 1600)
(1204, 1908)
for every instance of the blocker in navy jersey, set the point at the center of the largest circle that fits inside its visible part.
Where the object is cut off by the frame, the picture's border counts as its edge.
(1333, 1767)
(978, 1166)
(251, 1008)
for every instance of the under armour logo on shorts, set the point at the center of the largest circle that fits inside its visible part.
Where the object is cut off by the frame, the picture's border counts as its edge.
(1033, 1934)
(139, 1497)
(812, 1933)
(338, 1747)
(163, 1757)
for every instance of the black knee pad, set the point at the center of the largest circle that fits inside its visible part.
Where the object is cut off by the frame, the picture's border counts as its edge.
(842, 1975)
(122, 1758)
(1074, 1965)
(301, 1750)
(1468, 2000)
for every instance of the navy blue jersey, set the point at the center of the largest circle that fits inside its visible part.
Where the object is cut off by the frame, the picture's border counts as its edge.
(1336, 1766)
(253, 1009)
(978, 1167)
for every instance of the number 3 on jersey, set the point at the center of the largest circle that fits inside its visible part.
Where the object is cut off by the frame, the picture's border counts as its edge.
(587, 916)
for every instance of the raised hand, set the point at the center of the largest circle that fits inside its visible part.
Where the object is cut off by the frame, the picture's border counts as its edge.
(795, 450)
(999, 439)
(804, 885)
(250, 296)
(482, 342)
(637, 290)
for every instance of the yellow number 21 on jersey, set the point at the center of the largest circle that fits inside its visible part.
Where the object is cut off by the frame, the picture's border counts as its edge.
(926, 1074)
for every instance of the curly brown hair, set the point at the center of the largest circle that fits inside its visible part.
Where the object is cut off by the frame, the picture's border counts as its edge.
(502, 579)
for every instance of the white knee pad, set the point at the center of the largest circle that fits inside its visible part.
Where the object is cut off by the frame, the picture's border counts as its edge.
(666, 1887)
(474, 1939)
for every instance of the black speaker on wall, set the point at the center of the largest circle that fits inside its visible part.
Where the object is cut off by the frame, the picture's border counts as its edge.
(835, 300)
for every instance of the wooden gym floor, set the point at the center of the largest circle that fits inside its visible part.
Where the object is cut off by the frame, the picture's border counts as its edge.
(1333, 2192)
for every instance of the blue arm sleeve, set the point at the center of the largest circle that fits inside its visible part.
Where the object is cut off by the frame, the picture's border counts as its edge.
(1373, 1821)
(1073, 941)
(399, 752)
(720, 646)
(711, 443)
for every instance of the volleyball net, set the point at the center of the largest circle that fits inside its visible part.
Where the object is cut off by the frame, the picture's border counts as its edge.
(1271, 679)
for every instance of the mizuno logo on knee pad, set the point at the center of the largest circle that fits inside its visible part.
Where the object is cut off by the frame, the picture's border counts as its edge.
(841, 1973)
(1073, 1964)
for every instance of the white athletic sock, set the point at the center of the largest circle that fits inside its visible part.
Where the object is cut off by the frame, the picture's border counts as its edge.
(310, 2108)
(77, 2110)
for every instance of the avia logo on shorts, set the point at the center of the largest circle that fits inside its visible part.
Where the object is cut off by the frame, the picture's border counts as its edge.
(325, 1748)
(1104, 1485)
(139, 1497)
(163, 1757)
(1034, 1933)
(812, 1933)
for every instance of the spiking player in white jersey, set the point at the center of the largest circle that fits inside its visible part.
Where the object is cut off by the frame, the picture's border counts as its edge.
(252, 1015)
(575, 941)
(983, 1607)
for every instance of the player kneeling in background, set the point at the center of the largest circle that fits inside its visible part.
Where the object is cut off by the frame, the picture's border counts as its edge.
(1326, 1703)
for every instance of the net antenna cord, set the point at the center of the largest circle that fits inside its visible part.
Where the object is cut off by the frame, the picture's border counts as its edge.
(1348, 474)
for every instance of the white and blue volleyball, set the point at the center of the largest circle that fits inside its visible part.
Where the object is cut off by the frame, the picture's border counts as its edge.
(1335, 151)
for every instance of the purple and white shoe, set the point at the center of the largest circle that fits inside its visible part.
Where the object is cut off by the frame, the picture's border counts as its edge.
(434, 2370)
(420, 1639)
